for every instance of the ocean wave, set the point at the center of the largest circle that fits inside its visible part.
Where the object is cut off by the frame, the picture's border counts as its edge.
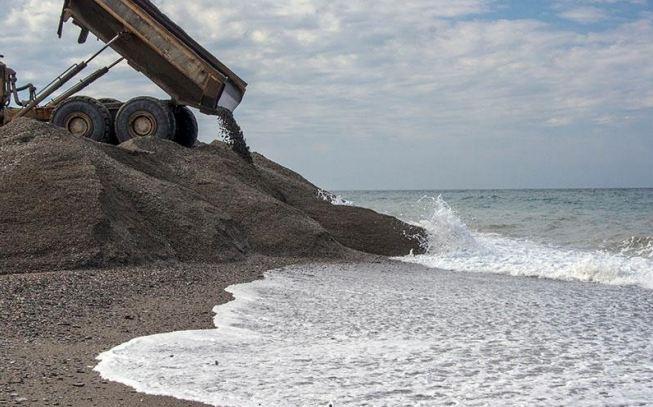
(637, 246)
(453, 246)
(446, 231)
(332, 198)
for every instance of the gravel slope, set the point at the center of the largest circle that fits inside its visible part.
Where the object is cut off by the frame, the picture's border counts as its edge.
(67, 203)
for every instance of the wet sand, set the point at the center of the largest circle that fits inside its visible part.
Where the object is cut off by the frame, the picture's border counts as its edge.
(55, 324)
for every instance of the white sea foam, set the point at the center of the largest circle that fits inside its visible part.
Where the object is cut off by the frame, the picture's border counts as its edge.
(641, 246)
(453, 246)
(404, 335)
(332, 198)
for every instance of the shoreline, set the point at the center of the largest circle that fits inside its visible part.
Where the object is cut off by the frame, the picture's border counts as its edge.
(48, 363)
(55, 324)
(440, 329)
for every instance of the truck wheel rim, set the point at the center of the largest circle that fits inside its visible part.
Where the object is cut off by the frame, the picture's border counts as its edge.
(142, 124)
(79, 124)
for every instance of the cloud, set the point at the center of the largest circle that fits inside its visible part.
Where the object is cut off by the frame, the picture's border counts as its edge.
(585, 15)
(419, 76)
(24, 22)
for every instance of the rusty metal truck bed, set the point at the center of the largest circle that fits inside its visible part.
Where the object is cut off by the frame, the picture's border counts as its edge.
(156, 46)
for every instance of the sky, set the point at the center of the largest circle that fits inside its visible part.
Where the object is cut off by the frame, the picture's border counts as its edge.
(420, 94)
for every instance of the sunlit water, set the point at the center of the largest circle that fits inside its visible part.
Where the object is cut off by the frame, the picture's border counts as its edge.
(408, 335)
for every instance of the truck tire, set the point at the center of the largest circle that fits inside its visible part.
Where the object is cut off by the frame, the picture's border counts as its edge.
(112, 105)
(84, 117)
(145, 116)
(187, 129)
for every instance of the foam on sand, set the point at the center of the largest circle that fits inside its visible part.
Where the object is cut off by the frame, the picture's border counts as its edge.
(400, 334)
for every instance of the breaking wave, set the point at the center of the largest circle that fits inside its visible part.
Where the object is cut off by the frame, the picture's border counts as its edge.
(332, 198)
(453, 246)
(637, 246)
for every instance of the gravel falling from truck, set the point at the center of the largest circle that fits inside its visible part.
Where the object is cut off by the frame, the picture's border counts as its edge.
(233, 134)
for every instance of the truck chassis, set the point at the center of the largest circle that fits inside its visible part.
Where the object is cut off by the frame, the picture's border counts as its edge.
(153, 45)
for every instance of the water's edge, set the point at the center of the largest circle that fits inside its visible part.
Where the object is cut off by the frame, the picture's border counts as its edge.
(349, 334)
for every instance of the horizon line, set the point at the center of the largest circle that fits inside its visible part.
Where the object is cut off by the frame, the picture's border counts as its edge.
(492, 189)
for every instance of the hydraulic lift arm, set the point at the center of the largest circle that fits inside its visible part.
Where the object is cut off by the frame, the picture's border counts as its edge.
(66, 76)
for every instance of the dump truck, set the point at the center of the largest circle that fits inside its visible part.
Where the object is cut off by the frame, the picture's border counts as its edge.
(150, 43)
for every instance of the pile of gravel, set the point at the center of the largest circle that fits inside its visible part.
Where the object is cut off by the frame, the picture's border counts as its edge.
(69, 203)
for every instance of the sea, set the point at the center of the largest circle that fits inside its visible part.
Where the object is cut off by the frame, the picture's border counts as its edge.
(523, 297)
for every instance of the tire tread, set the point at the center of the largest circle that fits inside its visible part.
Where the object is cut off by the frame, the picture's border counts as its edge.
(104, 112)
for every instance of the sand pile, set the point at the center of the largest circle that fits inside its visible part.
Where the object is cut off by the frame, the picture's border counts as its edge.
(71, 203)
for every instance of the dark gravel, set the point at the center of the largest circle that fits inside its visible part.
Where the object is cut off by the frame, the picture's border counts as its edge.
(233, 134)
